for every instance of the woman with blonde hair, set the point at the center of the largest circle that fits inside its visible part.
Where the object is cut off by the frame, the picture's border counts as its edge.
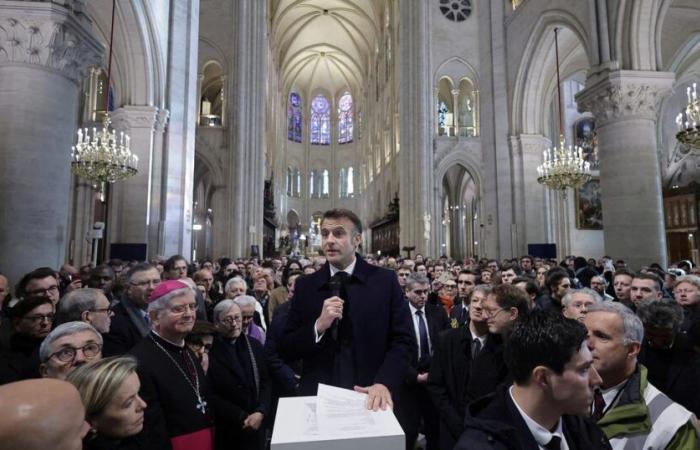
(109, 389)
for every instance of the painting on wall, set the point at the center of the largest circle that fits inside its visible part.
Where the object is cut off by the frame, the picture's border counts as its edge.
(585, 136)
(589, 210)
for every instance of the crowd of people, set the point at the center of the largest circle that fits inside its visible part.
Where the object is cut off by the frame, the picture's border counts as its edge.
(520, 353)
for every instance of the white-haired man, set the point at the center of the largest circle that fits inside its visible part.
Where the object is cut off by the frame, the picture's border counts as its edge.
(632, 413)
(576, 302)
(86, 305)
(173, 383)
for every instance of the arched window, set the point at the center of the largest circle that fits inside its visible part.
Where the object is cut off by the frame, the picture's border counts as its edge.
(312, 182)
(294, 117)
(290, 181)
(320, 121)
(325, 185)
(297, 185)
(351, 182)
(345, 119)
(342, 191)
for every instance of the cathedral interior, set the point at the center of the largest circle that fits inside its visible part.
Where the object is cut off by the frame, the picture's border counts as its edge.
(429, 118)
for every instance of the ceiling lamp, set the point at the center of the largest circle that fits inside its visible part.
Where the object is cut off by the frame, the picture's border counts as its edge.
(102, 156)
(689, 121)
(563, 167)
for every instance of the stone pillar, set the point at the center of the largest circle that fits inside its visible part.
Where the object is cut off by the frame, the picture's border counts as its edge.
(419, 219)
(246, 170)
(455, 112)
(129, 212)
(179, 140)
(45, 50)
(156, 226)
(625, 105)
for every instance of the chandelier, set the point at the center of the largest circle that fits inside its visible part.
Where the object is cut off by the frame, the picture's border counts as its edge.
(689, 121)
(562, 167)
(101, 156)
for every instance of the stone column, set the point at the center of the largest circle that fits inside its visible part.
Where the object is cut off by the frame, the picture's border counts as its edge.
(129, 212)
(419, 219)
(156, 226)
(246, 171)
(625, 104)
(455, 107)
(45, 50)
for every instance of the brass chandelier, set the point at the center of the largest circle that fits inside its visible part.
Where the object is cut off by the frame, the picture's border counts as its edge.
(689, 121)
(103, 156)
(563, 167)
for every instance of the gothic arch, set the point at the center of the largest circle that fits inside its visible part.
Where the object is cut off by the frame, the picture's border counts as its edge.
(451, 66)
(464, 159)
(207, 157)
(534, 77)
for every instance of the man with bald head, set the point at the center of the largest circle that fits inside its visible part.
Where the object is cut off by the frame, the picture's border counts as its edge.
(41, 414)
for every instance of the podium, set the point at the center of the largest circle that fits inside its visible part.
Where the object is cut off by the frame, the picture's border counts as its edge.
(297, 427)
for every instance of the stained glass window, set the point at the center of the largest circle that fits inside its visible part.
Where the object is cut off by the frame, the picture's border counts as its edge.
(320, 121)
(294, 118)
(345, 119)
(442, 114)
(325, 186)
(351, 182)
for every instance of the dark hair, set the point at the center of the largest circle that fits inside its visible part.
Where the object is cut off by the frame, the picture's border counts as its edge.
(285, 271)
(36, 274)
(201, 328)
(530, 285)
(514, 267)
(115, 262)
(100, 268)
(543, 338)
(170, 262)
(24, 306)
(664, 314)
(526, 257)
(140, 267)
(342, 213)
(650, 276)
(509, 296)
(554, 277)
(623, 271)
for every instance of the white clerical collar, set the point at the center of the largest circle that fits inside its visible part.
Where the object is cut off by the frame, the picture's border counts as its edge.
(541, 435)
(349, 269)
(168, 340)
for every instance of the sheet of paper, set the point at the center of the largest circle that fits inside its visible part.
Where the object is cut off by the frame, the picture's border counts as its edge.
(344, 412)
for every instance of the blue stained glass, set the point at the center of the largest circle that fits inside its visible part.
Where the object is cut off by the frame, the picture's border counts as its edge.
(345, 119)
(294, 118)
(442, 114)
(320, 121)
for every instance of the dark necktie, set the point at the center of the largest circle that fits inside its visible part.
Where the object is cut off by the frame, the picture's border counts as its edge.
(476, 347)
(423, 336)
(554, 443)
(598, 405)
(463, 315)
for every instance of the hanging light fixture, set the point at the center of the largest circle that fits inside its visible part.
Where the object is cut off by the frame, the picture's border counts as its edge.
(563, 167)
(103, 156)
(689, 121)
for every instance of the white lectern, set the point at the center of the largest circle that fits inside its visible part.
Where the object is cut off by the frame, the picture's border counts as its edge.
(297, 427)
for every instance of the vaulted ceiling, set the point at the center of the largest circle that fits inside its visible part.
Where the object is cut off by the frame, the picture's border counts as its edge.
(326, 44)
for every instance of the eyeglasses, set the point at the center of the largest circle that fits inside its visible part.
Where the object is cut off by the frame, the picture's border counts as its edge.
(40, 318)
(109, 311)
(492, 313)
(145, 283)
(181, 309)
(67, 354)
(197, 346)
(231, 320)
(46, 291)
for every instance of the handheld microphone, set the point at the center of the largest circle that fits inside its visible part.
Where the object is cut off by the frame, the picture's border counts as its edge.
(335, 285)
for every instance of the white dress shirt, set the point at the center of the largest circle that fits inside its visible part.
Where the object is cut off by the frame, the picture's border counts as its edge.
(349, 270)
(416, 318)
(541, 434)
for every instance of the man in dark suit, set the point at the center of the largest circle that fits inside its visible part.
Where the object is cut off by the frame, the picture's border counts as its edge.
(130, 322)
(466, 280)
(452, 382)
(554, 379)
(348, 322)
(413, 404)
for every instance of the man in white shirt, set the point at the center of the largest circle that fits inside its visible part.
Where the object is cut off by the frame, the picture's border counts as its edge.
(553, 382)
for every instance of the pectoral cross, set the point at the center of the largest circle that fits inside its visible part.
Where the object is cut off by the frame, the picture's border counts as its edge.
(202, 405)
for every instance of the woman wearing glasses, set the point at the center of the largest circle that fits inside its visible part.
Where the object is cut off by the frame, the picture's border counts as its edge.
(200, 341)
(239, 377)
(67, 347)
(109, 390)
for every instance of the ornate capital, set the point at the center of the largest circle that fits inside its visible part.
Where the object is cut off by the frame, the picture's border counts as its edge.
(130, 117)
(48, 35)
(624, 94)
(162, 120)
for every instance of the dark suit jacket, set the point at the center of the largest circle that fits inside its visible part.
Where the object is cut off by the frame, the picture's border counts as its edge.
(234, 396)
(493, 422)
(381, 328)
(456, 315)
(455, 379)
(127, 329)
